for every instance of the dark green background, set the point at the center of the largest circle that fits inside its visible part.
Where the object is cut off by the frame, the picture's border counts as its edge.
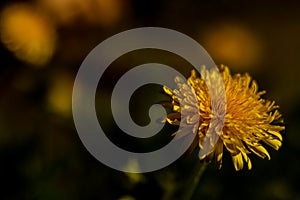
(42, 157)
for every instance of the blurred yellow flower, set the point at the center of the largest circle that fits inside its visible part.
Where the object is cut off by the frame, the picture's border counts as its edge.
(98, 12)
(27, 33)
(227, 42)
(60, 95)
(249, 119)
(134, 178)
(126, 197)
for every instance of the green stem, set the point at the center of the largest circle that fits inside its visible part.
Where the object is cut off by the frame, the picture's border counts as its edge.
(192, 187)
(186, 181)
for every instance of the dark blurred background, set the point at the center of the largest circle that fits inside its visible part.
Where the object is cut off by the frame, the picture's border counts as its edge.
(43, 44)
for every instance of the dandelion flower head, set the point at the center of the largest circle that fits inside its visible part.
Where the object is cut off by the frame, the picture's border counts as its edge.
(250, 121)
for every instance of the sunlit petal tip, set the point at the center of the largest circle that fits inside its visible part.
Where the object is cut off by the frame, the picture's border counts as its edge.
(168, 90)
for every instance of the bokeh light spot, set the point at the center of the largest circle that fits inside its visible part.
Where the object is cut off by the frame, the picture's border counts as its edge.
(233, 44)
(28, 34)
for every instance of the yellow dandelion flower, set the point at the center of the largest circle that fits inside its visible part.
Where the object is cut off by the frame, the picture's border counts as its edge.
(249, 119)
(27, 33)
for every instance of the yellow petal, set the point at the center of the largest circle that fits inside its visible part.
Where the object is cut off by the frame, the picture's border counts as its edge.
(260, 151)
(173, 122)
(277, 134)
(247, 159)
(219, 153)
(168, 90)
(238, 161)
